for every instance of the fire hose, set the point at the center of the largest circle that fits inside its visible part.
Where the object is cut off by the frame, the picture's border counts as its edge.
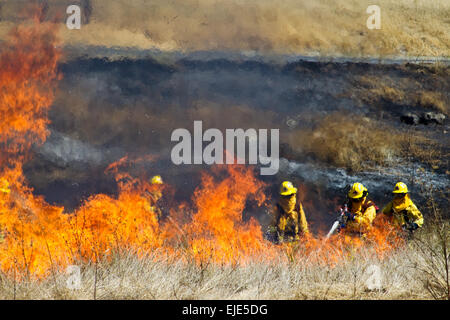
(341, 221)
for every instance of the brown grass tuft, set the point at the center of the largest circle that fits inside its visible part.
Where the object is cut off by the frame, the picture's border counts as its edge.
(432, 100)
(358, 142)
(415, 90)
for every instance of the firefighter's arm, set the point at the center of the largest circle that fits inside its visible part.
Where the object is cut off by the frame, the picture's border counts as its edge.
(303, 222)
(415, 215)
(388, 209)
(367, 217)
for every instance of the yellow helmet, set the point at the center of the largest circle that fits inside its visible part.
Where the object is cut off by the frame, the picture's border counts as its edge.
(357, 191)
(287, 188)
(157, 180)
(4, 186)
(400, 187)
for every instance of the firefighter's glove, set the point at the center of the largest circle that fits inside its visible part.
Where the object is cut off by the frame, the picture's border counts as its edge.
(350, 216)
(410, 226)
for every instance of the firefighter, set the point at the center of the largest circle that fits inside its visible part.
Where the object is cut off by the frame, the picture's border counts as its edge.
(404, 212)
(156, 180)
(361, 211)
(4, 190)
(288, 218)
(154, 195)
(4, 186)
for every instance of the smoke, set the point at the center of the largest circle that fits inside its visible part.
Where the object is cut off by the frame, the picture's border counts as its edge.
(63, 150)
(136, 105)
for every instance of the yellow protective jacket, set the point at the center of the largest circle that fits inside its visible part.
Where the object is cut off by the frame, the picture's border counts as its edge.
(365, 212)
(289, 219)
(404, 211)
(153, 197)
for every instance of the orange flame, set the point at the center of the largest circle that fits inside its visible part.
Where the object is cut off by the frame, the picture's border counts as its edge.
(28, 74)
(28, 67)
(217, 230)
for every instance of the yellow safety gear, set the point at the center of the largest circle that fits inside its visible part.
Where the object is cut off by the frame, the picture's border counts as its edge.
(400, 187)
(365, 212)
(357, 191)
(287, 188)
(4, 186)
(153, 196)
(288, 203)
(401, 203)
(157, 180)
(289, 219)
(404, 211)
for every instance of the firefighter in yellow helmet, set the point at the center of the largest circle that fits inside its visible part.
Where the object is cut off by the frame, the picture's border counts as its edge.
(155, 194)
(404, 212)
(361, 211)
(4, 186)
(288, 217)
(156, 180)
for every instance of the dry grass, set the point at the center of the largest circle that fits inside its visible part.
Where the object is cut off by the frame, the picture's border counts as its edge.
(434, 252)
(358, 143)
(434, 248)
(412, 91)
(432, 100)
(322, 27)
(127, 277)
